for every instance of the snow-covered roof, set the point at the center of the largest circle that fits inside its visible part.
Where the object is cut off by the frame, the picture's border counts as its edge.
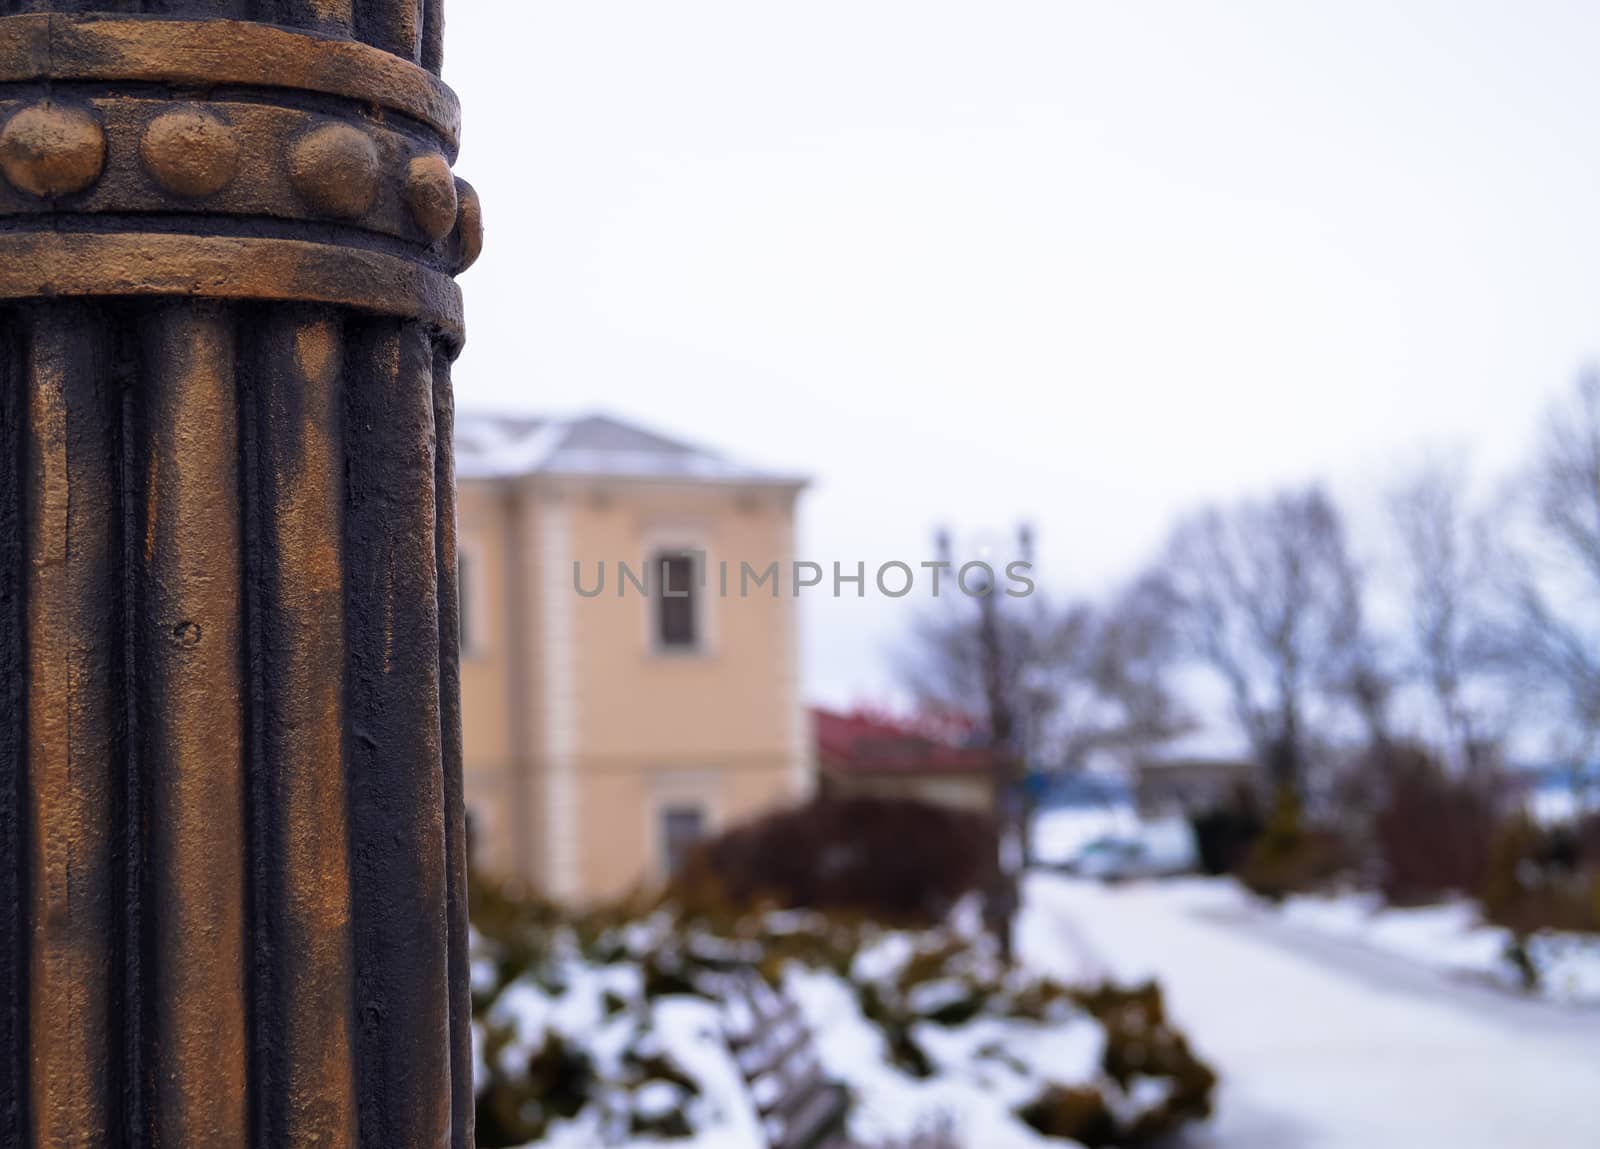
(508, 446)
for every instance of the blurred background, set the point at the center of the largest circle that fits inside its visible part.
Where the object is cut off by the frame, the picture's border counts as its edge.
(1265, 336)
(1077, 265)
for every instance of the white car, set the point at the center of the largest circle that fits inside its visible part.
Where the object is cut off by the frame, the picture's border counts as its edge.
(1111, 859)
(1158, 850)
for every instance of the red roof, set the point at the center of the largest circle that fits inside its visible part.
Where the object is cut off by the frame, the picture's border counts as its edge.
(874, 744)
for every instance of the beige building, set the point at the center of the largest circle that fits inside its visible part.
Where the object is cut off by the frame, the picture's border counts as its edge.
(620, 696)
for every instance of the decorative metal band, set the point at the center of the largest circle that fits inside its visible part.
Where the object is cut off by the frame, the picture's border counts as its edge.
(312, 169)
(227, 157)
(55, 264)
(212, 53)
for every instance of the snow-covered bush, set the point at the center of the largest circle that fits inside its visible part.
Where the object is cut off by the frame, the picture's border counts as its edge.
(605, 1029)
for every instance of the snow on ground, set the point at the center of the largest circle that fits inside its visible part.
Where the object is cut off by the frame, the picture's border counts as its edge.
(1450, 937)
(1342, 1048)
(1453, 938)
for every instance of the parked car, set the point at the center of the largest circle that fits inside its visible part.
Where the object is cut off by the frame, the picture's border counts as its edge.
(1155, 850)
(1112, 859)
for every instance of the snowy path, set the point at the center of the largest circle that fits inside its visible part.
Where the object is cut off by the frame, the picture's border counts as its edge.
(1323, 1048)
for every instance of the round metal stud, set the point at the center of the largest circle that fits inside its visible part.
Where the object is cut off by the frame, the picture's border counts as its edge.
(469, 218)
(190, 154)
(51, 150)
(335, 170)
(431, 195)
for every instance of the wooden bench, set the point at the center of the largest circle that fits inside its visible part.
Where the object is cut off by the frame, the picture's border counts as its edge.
(798, 1106)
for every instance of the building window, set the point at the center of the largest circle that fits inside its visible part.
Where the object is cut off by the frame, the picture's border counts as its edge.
(677, 601)
(683, 827)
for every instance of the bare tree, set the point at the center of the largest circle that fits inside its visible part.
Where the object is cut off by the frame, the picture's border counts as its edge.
(1066, 681)
(976, 663)
(1445, 578)
(1552, 540)
(1107, 673)
(1266, 596)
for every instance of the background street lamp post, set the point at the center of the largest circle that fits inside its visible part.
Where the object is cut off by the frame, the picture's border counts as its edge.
(998, 668)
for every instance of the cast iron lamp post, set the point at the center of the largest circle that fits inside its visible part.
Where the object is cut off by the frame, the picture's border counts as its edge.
(232, 860)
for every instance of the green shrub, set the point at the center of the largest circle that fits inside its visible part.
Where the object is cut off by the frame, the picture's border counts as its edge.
(1141, 1042)
(516, 1108)
(1073, 1114)
(1290, 856)
(1536, 881)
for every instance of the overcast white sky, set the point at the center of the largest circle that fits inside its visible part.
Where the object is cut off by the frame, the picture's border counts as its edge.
(1079, 264)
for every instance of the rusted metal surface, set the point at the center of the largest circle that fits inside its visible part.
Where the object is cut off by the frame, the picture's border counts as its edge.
(232, 845)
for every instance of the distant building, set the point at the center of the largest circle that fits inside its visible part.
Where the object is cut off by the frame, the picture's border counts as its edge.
(865, 755)
(604, 735)
(1192, 785)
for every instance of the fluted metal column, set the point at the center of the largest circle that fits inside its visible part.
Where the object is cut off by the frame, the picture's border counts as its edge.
(232, 855)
